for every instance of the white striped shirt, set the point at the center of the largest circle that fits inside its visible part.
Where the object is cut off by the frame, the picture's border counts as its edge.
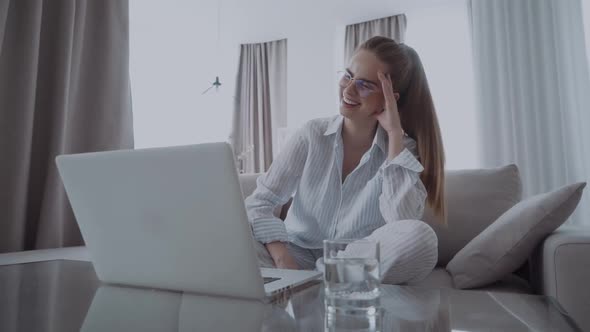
(310, 168)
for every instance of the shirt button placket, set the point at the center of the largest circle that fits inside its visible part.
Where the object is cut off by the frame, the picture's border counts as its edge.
(338, 153)
(336, 217)
(338, 212)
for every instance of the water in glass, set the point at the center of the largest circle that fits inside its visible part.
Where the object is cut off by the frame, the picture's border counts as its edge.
(352, 284)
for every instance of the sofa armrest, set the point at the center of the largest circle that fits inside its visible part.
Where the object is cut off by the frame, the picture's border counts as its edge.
(561, 269)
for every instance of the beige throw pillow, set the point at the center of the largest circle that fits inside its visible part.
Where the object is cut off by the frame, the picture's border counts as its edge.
(507, 243)
(474, 199)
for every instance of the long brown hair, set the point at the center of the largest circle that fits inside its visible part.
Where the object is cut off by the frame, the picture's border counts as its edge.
(417, 114)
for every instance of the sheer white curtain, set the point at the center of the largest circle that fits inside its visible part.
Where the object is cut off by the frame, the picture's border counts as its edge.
(534, 91)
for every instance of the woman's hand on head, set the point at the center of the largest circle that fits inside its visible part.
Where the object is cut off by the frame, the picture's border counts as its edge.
(389, 117)
(281, 256)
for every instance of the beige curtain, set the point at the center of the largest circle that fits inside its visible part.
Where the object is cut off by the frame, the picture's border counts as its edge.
(260, 104)
(393, 27)
(64, 88)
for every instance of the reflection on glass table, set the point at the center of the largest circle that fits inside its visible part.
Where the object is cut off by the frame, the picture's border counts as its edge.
(131, 309)
(117, 308)
(64, 295)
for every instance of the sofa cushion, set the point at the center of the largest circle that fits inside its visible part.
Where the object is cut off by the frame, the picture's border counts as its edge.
(438, 278)
(510, 240)
(441, 278)
(474, 199)
(510, 283)
(248, 185)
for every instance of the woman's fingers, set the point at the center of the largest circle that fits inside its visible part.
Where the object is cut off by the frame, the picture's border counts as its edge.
(385, 80)
(387, 86)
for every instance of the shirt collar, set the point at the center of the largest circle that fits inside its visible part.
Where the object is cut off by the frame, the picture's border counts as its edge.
(380, 139)
(335, 125)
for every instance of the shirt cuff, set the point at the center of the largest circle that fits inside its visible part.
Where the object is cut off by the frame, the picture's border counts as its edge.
(406, 160)
(269, 230)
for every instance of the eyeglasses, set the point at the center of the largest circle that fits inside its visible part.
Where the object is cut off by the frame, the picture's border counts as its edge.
(364, 88)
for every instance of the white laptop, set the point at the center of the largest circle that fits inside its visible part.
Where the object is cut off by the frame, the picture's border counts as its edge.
(170, 218)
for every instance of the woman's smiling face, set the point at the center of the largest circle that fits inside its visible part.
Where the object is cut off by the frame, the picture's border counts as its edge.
(360, 89)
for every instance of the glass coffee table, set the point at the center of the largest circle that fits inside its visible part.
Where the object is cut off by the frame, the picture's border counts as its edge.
(65, 295)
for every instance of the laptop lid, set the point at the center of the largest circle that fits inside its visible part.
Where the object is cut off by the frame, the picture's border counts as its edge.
(170, 218)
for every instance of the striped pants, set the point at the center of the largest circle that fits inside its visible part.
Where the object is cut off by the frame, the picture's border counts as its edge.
(408, 250)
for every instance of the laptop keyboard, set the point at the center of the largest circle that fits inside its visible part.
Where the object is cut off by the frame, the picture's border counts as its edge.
(269, 279)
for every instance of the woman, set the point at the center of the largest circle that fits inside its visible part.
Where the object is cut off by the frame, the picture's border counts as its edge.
(366, 173)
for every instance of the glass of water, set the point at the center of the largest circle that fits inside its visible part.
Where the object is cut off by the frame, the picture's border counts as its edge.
(351, 276)
(336, 322)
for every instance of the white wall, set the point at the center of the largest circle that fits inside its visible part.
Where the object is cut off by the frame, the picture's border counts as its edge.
(441, 35)
(312, 29)
(173, 58)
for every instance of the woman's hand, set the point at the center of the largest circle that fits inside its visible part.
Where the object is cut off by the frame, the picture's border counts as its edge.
(281, 256)
(389, 117)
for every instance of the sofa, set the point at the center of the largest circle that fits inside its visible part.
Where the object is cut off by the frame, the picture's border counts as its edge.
(559, 266)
